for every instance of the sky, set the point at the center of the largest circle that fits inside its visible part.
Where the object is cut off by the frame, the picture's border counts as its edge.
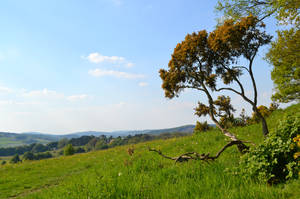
(75, 65)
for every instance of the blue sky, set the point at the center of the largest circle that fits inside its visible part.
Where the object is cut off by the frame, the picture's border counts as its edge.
(77, 65)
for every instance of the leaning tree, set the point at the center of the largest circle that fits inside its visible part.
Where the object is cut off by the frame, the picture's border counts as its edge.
(202, 60)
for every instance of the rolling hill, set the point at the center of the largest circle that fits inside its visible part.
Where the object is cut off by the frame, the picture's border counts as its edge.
(113, 173)
(18, 139)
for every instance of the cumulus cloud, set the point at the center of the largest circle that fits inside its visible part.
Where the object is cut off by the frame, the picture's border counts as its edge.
(98, 58)
(143, 84)
(118, 74)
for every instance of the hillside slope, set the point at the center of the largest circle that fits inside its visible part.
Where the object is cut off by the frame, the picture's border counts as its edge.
(114, 174)
(19, 139)
(15, 139)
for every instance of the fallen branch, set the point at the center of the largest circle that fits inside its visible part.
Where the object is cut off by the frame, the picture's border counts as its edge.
(196, 156)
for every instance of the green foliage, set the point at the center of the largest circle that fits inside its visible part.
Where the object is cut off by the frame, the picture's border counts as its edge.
(3, 162)
(202, 61)
(284, 53)
(112, 173)
(37, 156)
(263, 110)
(28, 156)
(39, 148)
(62, 143)
(101, 144)
(69, 150)
(79, 150)
(15, 159)
(273, 161)
(284, 56)
(285, 11)
(201, 127)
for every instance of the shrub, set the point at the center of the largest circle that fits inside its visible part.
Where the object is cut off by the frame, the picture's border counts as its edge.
(3, 162)
(79, 150)
(69, 150)
(28, 156)
(15, 159)
(275, 160)
(264, 111)
(46, 155)
(201, 127)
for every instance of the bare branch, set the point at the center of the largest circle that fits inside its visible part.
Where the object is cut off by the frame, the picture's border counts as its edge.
(193, 87)
(196, 156)
(229, 89)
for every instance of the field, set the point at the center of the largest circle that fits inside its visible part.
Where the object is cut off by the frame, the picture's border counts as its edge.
(8, 142)
(114, 174)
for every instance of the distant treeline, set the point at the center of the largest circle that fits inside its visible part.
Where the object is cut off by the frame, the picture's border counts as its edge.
(86, 143)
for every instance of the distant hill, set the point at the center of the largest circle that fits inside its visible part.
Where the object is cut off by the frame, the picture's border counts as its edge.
(15, 139)
(181, 129)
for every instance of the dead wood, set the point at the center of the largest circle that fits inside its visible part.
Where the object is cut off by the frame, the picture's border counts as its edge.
(196, 156)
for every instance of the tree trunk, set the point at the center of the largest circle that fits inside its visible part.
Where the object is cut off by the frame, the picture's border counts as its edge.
(264, 124)
(241, 146)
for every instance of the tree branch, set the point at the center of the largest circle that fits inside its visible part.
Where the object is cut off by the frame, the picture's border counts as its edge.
(196, 156)
(193, 87)
(229, 89)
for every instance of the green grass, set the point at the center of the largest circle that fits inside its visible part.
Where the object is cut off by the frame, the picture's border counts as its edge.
(114, 174)
(9, 142)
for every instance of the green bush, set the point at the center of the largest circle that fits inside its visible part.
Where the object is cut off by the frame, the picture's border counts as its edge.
(274, 160)
(201, 127)
(69, 150)
(15, 159)
(28, 156)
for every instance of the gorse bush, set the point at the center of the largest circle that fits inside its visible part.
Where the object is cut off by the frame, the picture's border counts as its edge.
(201, 127)
(277, 158)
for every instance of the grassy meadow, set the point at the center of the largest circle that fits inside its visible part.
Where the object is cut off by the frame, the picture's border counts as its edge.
(114, 174)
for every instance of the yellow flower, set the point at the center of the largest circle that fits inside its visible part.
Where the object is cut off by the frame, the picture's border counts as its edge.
(296, 155)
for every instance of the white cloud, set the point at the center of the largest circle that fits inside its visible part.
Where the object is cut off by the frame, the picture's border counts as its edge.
(47, 94)
(143, 84)
(77, 97)
(4, 89)
(118, 74)
(98, 58)
(43, 93)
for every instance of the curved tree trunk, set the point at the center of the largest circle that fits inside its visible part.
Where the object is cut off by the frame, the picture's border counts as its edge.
(263, 121)
(264, 125)
(241, 146)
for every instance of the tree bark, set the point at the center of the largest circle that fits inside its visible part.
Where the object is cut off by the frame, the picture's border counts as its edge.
(240, 145)
(263, 122)
(264, 125)
(196, 156)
